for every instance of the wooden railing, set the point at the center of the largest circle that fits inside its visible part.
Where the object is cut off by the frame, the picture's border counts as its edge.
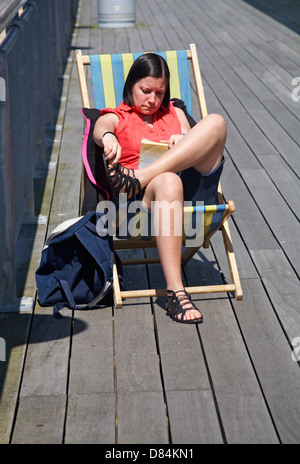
(34, 39)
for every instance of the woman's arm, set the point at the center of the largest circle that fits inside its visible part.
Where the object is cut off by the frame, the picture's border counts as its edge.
(104, 131)
(185, 127)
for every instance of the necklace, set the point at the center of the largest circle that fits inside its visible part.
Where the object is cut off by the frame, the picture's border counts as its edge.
(147, 122)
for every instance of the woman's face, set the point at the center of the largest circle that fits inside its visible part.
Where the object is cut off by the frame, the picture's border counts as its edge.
(148, 94)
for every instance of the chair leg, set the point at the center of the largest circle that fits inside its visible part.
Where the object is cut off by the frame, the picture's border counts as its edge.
(116, 287)
(232, 261)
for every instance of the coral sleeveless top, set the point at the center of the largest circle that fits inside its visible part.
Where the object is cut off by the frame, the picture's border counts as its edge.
(132, 129)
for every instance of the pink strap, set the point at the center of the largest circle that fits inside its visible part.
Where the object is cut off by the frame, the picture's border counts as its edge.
(84, 155)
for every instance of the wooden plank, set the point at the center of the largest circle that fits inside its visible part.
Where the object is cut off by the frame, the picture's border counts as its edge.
(185, 377)
(243, 58)
(242, 128)
(193, 418)
(258, 30)
(28, 255)
(241, 404)
(246, 267)
(134, 42)
(142, 418)
(285, 181)
(140, 401)
(278, 103)
(40, 420)
(91, 397)
(14, 330)
(283, 143)
(121, 39)
(249, 220)
(92, 356)
(263, 22)
(164, 22)
(162, 42)
(261, 27)
(280, 219)
(145, 30)
(65, 203)
(47, 355)
(188, 390)
(90, 419)
(136, 354)
(180, 343)
(217, 80)
(282, 286)
(137, 367)
(270, 353)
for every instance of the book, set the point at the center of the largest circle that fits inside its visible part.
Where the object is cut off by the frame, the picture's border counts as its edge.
(150, 151)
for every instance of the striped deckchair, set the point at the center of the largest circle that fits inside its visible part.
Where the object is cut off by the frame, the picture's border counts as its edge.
(102, 87)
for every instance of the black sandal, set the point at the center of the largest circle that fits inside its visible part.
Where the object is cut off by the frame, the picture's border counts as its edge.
(175, 307)
(120, 180)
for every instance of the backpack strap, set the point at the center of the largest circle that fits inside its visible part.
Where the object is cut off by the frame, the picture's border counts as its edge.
(180, 104)
(71, 304)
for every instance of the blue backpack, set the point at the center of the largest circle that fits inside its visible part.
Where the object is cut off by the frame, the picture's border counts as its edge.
(76, 268)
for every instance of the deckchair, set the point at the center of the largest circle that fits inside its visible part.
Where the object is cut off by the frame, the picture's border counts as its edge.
(101, 86)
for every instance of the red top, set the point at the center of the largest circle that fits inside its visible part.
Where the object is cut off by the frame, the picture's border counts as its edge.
(132, 129)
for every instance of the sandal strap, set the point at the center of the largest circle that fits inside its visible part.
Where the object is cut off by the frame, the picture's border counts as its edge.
(120, 180)
(175, 306)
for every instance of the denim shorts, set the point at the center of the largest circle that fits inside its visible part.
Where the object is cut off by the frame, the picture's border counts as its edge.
(201, 187)
(197, 188)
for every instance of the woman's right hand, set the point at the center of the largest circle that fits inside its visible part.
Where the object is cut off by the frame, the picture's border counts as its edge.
(112, 149)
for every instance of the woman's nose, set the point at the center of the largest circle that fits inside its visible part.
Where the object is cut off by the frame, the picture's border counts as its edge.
(151, 98)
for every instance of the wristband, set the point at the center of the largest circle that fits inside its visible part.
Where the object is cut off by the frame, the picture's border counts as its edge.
(108, 132)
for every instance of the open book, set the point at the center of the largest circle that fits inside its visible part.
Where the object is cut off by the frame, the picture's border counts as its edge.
(150, 151)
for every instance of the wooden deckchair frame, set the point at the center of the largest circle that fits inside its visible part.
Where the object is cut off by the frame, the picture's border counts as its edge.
(119, 295)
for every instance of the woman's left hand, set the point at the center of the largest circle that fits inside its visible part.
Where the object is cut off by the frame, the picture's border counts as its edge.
(175, 138)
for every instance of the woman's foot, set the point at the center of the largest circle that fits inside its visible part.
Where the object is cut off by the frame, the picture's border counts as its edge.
(181, 309)
(123, 180)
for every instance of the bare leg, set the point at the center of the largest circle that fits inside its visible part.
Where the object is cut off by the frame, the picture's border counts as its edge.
(202, 148)
(166, 189)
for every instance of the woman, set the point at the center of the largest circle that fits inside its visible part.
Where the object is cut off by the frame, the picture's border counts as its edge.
(196, 153)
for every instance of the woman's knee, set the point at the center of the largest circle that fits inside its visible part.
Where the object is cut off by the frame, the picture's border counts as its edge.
(217, 126)
(165, 187)
(168, 186)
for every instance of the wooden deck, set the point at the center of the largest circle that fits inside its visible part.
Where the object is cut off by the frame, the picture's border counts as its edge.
(133, 376)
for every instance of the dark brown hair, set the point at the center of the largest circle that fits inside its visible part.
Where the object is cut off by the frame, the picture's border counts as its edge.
(147, 65)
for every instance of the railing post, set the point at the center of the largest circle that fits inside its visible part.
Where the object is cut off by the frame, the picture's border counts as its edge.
(7, 234)
(23, 139)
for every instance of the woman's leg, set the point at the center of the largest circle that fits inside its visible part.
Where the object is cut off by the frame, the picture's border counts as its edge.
(165, 190)
(201, 148)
